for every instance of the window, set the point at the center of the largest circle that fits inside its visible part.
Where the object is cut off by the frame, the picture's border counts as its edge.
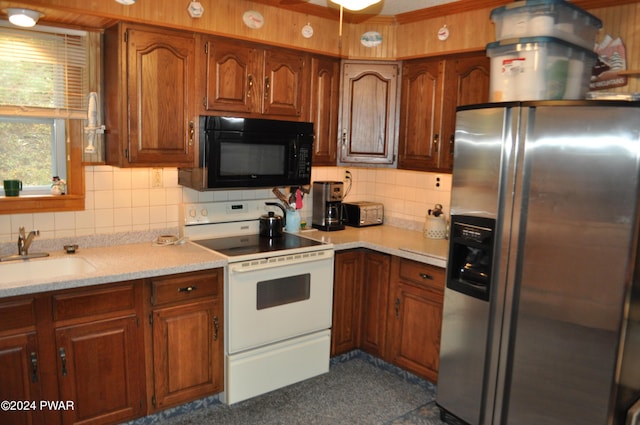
(44, 83)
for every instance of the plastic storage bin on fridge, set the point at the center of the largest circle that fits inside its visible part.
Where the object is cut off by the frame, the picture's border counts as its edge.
(539, 68)
(546, 18)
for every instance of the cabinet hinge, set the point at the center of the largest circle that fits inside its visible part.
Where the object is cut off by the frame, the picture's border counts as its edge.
(126, 153)
(206, 48)
(153, 399)
(151, 319)
(137, 321)
(204, 101)
(126, 36)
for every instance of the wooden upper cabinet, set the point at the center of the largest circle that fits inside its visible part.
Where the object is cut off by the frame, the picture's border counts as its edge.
(246, 79)
(325, 101)
(283, 82)
(466, 83)
(370, 96)
(432, 89)
(230, 72)
(420, 114)
(149, 106)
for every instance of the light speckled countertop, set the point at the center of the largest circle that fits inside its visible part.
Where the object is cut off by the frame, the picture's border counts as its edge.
(119, 263)
(391, 240)
(141, 260)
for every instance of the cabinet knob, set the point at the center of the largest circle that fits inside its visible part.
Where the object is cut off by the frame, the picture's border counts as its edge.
(436, 139)
(192, 132)
(426, 276)
(452, 142)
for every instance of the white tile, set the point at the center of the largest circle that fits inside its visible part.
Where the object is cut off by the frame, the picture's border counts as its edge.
(140, 178)
(104, 220)
(103, 199)
(122, 217)
(21, 220)
(157, 197)
(140, 198)
(140, 215)
(157, 214)
(103, 180)
(44, 221)
(85, 220)
(122, 179)
(122, 199)
(65, 220)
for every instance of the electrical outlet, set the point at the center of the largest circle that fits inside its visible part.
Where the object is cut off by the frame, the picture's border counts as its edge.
(347, 175)
(438, 181)
(156, 178)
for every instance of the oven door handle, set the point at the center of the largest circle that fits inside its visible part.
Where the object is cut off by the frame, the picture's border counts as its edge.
(247, 266)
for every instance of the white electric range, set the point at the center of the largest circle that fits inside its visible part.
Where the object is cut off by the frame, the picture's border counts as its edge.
(278, 297)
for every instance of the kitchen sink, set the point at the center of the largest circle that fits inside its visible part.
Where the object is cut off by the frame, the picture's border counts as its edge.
(45, 268)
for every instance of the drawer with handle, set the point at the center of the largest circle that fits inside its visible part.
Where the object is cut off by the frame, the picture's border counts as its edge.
(422, 274)
(185, 287)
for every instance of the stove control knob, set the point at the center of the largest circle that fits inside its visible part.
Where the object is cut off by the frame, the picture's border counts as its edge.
(204, 212)
(192, 212)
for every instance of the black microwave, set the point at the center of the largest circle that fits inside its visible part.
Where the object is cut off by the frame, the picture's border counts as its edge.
(240, 153)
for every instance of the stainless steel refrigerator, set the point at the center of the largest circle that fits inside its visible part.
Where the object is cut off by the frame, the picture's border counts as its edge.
(541, 319)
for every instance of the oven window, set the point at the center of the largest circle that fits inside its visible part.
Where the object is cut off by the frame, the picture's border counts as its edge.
(284, 290)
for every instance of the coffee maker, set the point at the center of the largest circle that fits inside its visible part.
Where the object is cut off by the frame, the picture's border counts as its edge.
(327, 205)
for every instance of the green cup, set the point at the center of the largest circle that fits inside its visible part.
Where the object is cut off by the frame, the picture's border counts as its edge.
(12, 187)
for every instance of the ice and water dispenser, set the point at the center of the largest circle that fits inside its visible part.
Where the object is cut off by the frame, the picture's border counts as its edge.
(471, 255)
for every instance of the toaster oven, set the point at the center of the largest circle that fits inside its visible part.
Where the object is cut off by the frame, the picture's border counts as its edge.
(360, 214)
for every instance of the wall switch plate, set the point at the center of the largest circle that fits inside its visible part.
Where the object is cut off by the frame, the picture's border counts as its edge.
(156, 178)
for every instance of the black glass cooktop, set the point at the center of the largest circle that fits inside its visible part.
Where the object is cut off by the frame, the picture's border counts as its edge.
(254, 244)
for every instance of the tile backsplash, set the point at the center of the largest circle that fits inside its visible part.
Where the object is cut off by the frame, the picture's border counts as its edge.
(124, 201)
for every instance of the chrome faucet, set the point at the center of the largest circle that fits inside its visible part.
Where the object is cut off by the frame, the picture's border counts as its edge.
(24, 242)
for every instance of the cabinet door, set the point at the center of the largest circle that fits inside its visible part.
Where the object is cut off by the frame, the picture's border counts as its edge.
(375, 289)
(415, 344)
(325, 92)
(19, 377)
(467, 83)
(232, 72)
(370, 96)
(283, 83)
(187, 352)
(101, 369)
(347, 302)
(421, 115)
(160, 82)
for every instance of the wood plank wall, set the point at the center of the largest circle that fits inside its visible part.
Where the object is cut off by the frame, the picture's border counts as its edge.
(622, 21)
(404, 37)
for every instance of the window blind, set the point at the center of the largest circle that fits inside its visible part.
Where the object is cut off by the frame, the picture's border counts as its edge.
(45, 73)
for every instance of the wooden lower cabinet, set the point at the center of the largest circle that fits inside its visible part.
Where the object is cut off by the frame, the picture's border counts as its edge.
(100, 370)
(375, 295)
(347, 301)
(89, 350)
(415, 317)
(187, 325)
(19, 377)
(389, 307)
(98, 346)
